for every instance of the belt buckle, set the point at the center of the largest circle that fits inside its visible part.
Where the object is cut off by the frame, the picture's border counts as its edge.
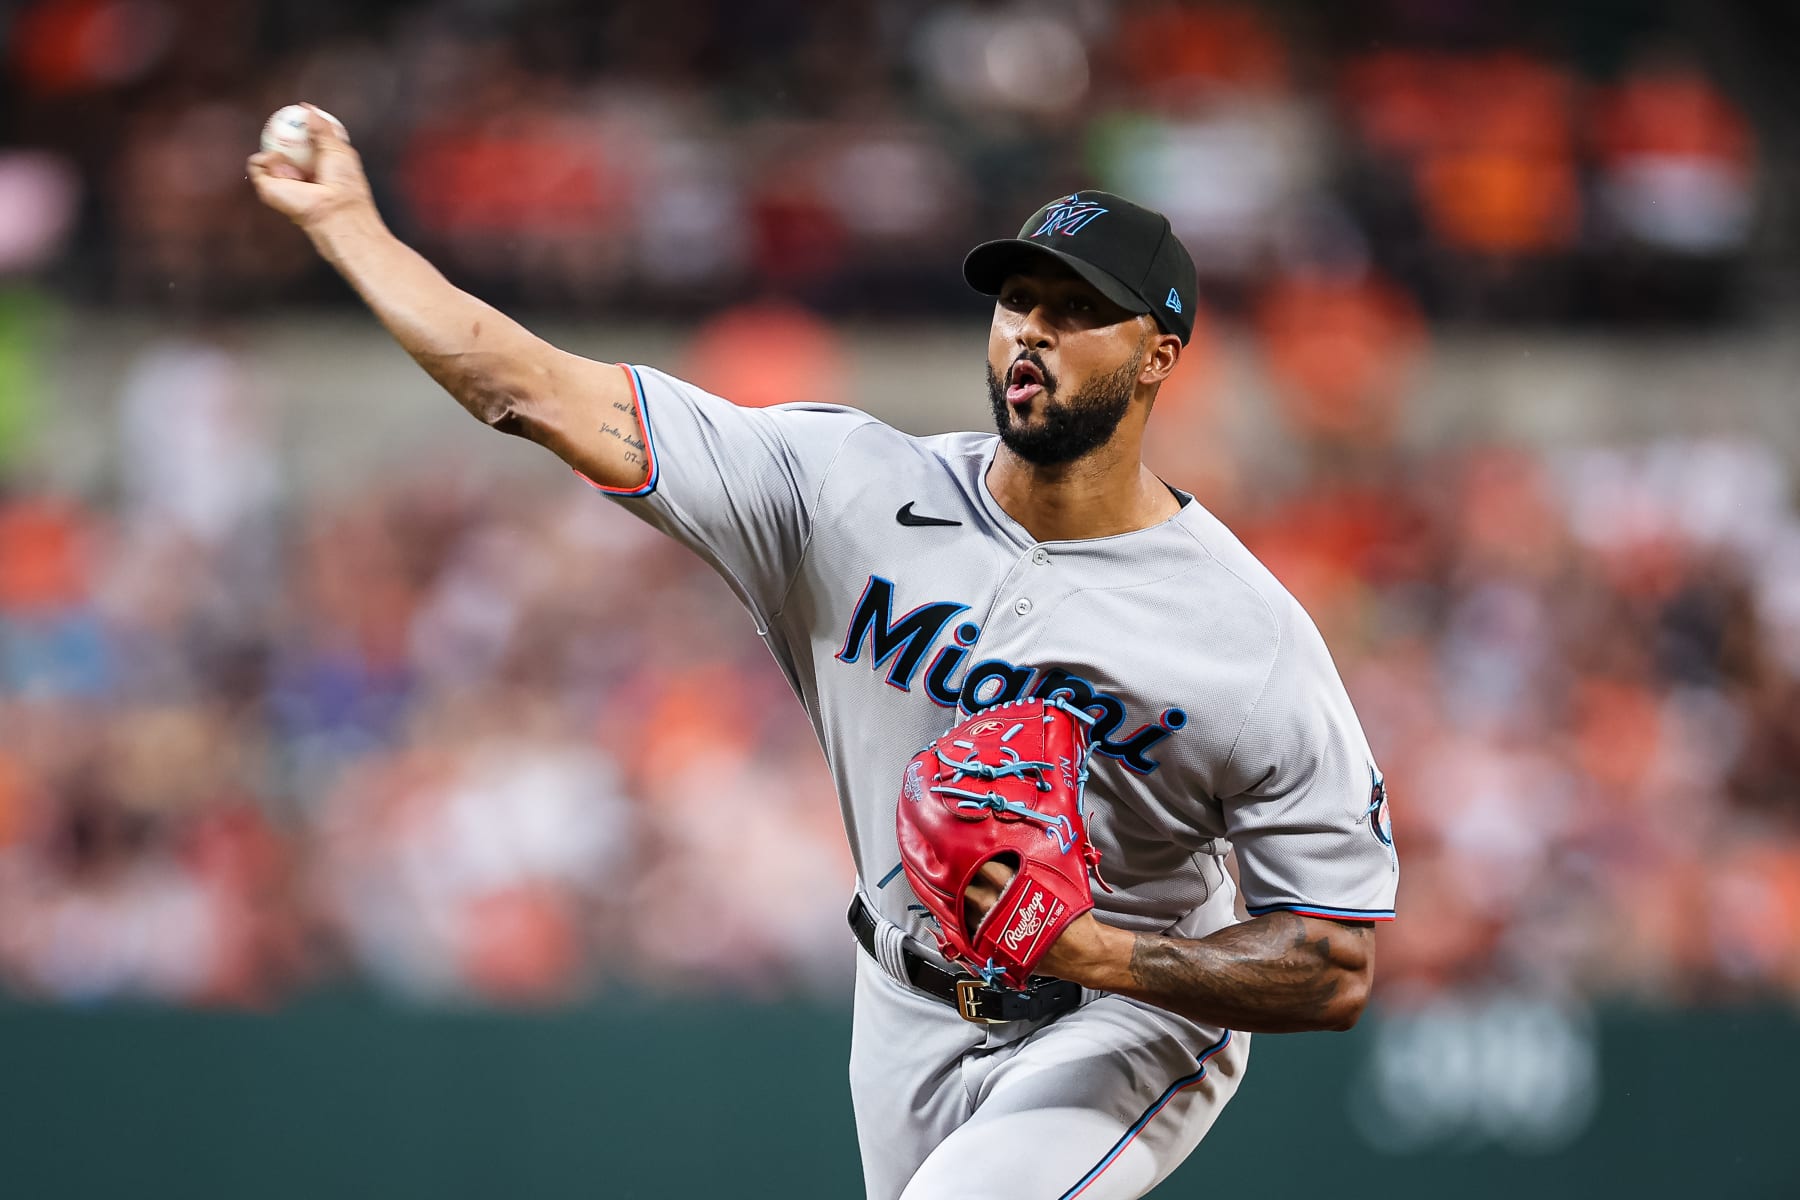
(968, 1002)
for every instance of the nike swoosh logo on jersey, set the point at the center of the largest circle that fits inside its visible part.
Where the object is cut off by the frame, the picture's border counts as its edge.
(906, 516)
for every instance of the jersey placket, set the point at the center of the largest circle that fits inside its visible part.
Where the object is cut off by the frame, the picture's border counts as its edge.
(1038, 580)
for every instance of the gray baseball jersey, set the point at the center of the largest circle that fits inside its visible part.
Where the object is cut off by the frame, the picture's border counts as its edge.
(896, 595)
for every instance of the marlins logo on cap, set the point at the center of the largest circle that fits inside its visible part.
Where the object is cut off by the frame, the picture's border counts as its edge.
(1068, 216)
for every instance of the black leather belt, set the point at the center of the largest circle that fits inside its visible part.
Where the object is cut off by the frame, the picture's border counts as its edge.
(972, 999)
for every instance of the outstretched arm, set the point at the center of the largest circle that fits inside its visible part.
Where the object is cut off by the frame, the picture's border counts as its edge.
(1279, 973)
(504, 375)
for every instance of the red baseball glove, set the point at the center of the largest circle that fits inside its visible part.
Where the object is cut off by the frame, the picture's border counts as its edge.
(1005, 784)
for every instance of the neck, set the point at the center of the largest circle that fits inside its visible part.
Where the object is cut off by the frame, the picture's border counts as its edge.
(1105, 492)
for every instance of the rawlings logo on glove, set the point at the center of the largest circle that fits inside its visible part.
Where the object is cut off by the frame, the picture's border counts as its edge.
(1005, 784)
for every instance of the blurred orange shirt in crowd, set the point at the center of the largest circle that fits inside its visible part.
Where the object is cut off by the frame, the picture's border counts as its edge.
(1675, 112)
(520, 173)
(1491, 141)
(522, 944)
(1230, 47)
(768, 353)
(1339, 351)
(41, 559)
(63, 46)
(1617, 728)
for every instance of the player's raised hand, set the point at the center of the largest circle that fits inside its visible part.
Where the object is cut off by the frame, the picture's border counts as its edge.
(336, 186)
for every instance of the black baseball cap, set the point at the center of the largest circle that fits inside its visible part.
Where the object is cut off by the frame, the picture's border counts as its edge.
(1125, 250)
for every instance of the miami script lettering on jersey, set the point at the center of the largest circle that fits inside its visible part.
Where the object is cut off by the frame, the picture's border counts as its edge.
(903, 644)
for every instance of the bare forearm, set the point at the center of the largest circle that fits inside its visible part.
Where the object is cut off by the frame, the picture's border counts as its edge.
(476, 353)
(498, 370)
(1280, 973)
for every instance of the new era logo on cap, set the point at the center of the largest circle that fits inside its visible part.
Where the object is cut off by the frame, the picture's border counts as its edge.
(1173, 303)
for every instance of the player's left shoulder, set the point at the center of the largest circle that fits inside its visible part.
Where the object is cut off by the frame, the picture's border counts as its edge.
(1274, 626)
(1236, 579)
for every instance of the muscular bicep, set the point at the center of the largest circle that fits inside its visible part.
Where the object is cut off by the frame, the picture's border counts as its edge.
(589, 415)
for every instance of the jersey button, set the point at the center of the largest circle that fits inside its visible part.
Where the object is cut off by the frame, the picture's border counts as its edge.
(1041, 557)
(1022, 606)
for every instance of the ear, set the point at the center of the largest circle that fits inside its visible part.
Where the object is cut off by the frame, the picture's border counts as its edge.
(1161, 352)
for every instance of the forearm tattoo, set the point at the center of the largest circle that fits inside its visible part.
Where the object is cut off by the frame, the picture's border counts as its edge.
(1280, 973)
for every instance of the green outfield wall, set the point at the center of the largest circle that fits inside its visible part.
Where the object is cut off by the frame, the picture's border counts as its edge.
(349, 1096)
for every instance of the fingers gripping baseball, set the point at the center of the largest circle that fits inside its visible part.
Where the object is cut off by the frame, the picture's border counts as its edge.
(336, 183)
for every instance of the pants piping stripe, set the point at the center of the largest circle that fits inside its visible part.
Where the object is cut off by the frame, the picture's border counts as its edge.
(1138, 1126)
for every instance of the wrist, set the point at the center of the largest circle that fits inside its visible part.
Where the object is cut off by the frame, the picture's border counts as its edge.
(1096, 956)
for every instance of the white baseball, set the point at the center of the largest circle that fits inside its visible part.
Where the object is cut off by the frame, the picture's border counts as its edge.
(285, 133)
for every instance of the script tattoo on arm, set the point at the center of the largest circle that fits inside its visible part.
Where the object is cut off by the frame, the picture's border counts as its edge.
(627, 437)
(1279, 973)
(558, 411)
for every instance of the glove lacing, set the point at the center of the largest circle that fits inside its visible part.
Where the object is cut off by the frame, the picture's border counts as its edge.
(1057, 828)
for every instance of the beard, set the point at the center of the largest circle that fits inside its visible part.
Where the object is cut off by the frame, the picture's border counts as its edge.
(1069, 428)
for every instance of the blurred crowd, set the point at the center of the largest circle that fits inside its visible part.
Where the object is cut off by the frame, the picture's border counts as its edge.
(1501, 161)
(474, 740)
(427, 731)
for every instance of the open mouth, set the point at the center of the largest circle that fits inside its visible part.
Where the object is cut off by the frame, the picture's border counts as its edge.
(1023, 382)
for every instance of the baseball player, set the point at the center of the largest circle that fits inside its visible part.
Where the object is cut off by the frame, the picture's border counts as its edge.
(905, 583)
